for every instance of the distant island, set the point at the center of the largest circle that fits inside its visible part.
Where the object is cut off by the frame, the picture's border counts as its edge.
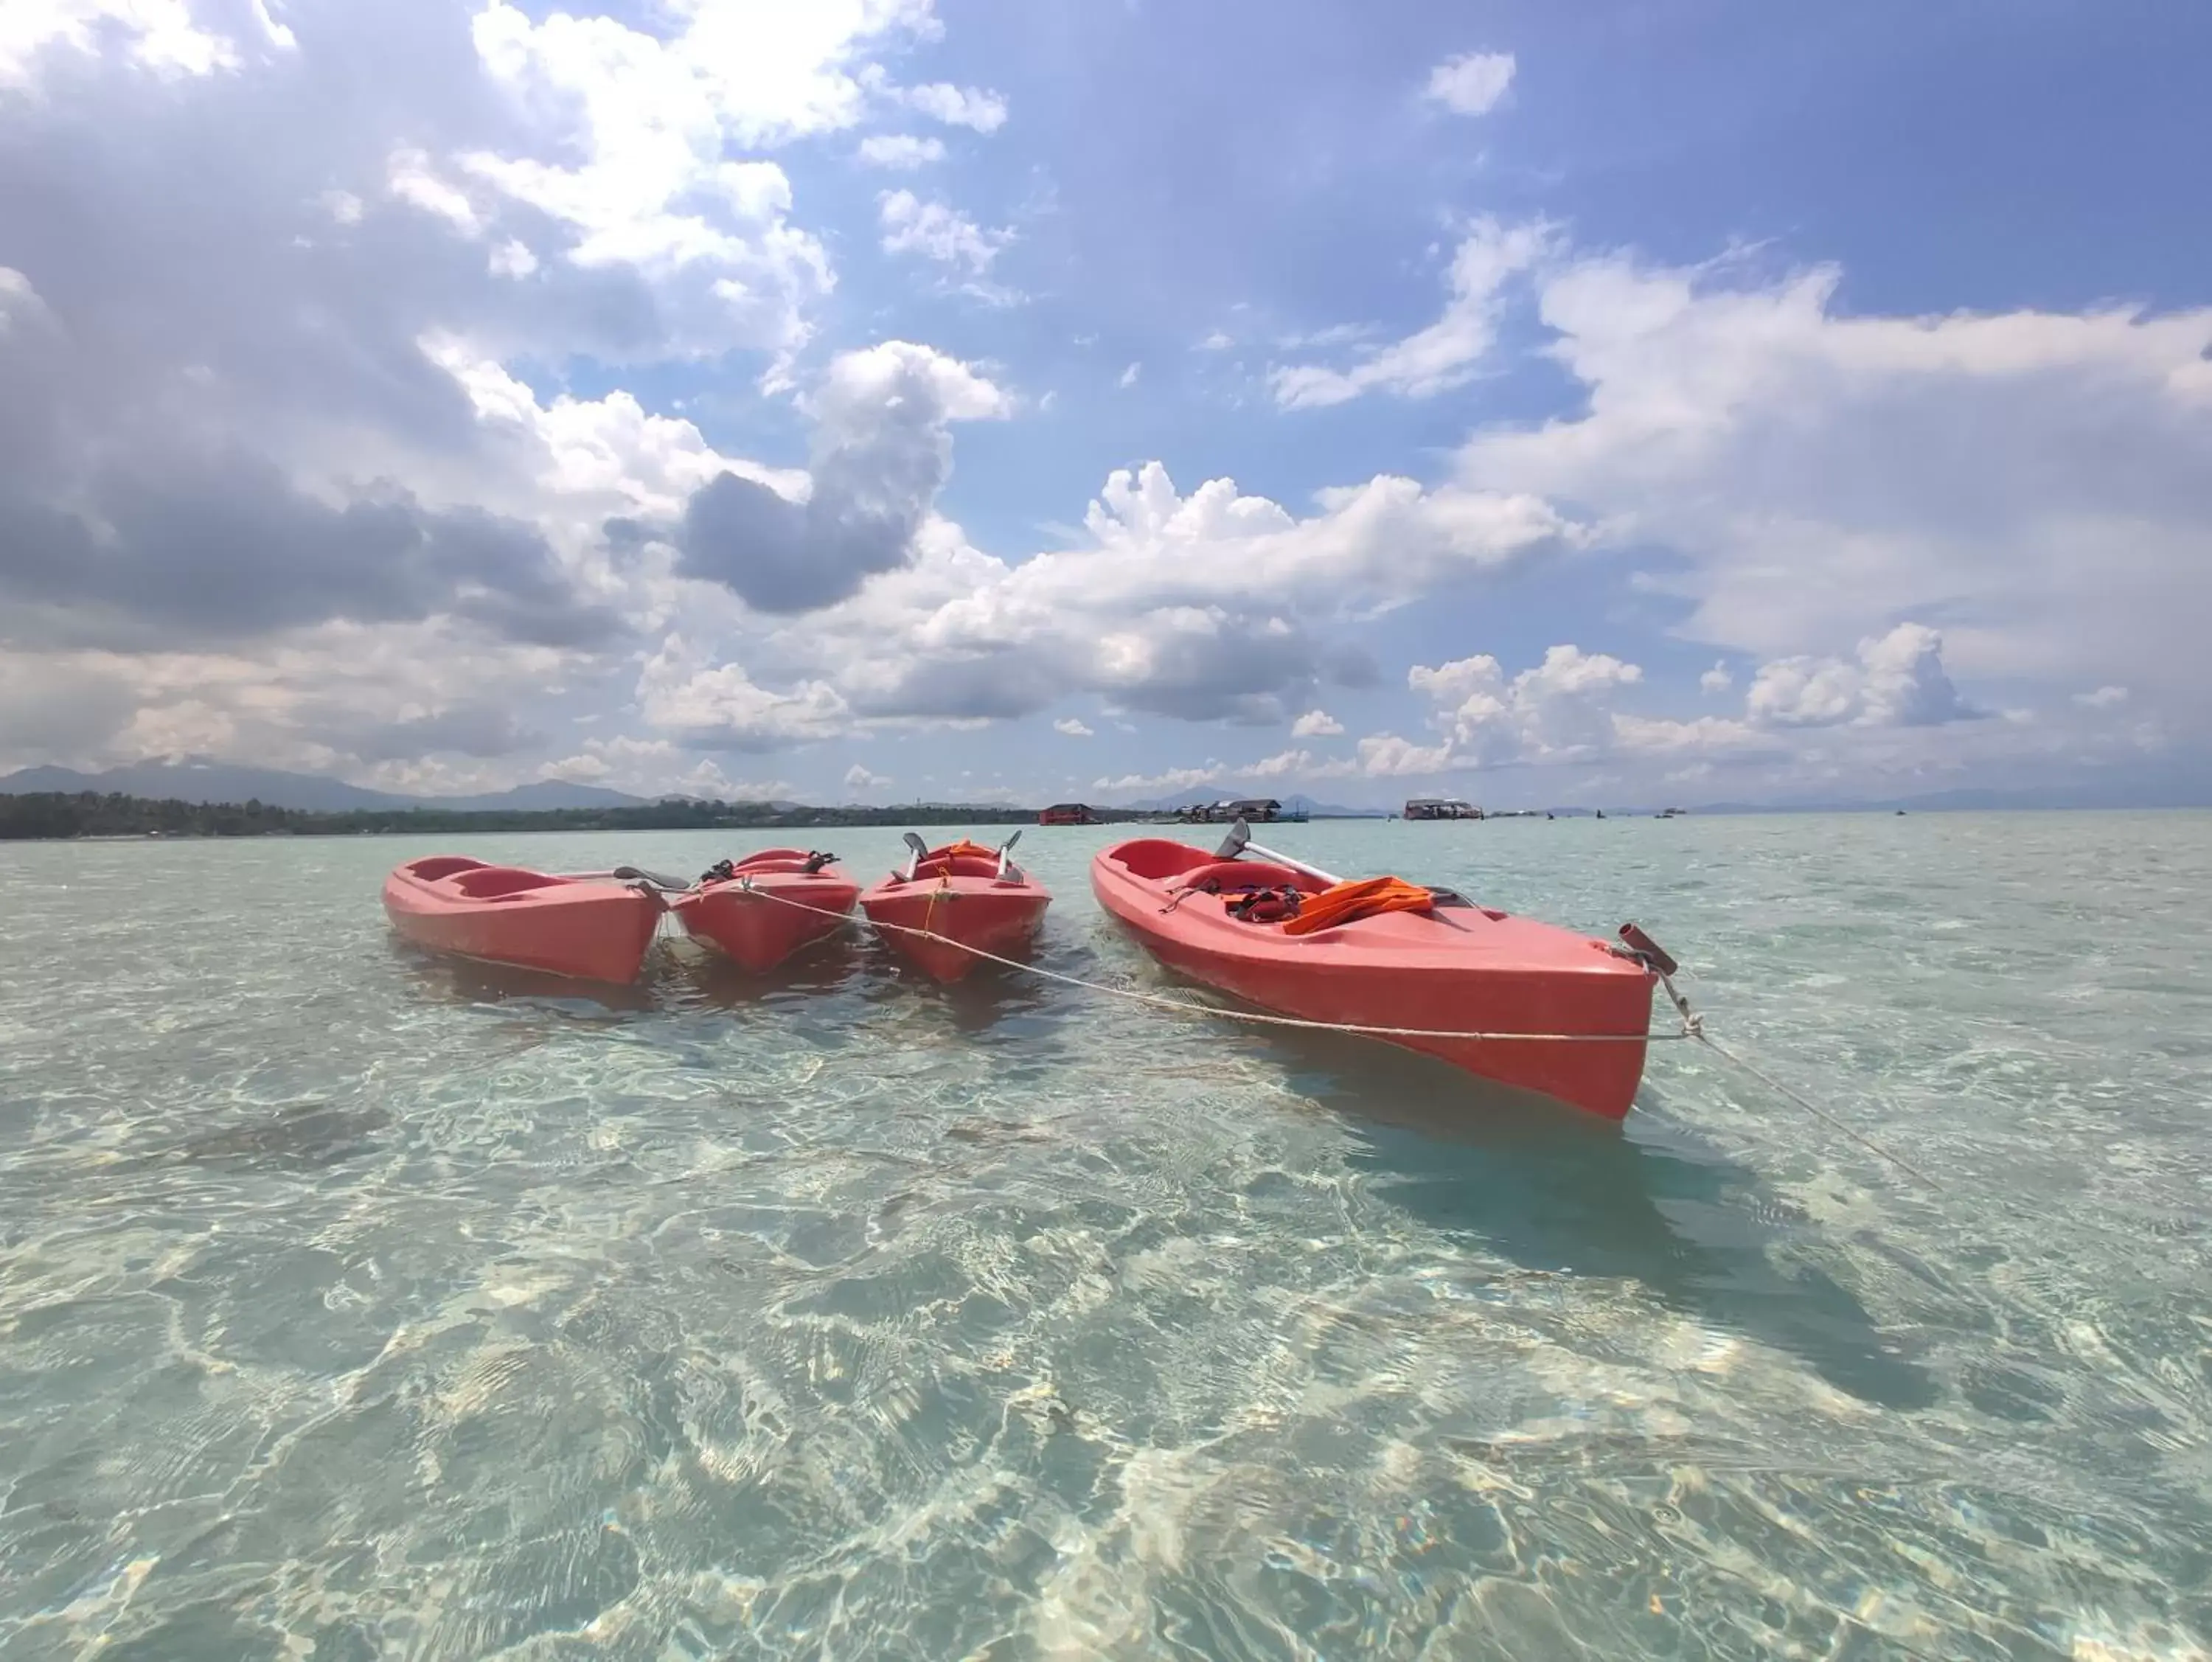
(202, 796)
(55, 814)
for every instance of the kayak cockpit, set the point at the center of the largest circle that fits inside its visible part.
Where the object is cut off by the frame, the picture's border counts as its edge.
(439, 867)
(961, 858)
(1177, 865)
(1154, 857)
(1232, 874)
(502, 883)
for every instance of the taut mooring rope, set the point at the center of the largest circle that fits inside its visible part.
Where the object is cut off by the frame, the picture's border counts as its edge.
(1692, 1028)
(1258, 1017)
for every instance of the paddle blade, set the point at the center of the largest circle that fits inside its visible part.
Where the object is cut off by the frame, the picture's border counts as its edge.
(1233, 845)
(638, 874)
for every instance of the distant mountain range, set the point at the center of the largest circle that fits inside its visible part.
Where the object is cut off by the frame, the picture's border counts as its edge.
(196, 779)
(199, 779)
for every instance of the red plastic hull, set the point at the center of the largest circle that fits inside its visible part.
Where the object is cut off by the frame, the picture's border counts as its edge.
(789, 910)
(1457, 969)
(975, 910)
(585, 929)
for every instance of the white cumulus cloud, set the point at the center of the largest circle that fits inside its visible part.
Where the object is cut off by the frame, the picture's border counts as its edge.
(1471, 84)
(901, 152)
(1896, 679)
(715, 706)
(1449, 352)
(1208, 606)
(936, 231)
(1568, 709)
(1174, 779)
(160, 36)
(1071, 727)
(1316, 724)
(1813, 473)
(957, 106)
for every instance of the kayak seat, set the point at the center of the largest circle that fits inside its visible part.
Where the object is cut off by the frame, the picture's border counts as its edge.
(961, 860)
(807, 862)
(772, 857)
(1155, 857)
(443, 865)
(1246, 874)
(930, 870)
(1270, 904)
(501, 882)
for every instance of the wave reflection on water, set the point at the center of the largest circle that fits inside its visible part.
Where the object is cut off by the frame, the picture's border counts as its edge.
(354, 1304)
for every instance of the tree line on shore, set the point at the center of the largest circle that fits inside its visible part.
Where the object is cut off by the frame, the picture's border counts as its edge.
(90, 813)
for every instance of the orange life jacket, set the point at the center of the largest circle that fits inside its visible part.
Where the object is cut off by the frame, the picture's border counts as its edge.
(1364, 898)
(962, 849)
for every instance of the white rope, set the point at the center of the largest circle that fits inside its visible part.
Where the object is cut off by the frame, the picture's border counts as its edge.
(1692, 1026)
(1819, 1113)
(1257, 1017)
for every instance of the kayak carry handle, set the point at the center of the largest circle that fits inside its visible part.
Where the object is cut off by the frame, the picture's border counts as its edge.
(1648, 950)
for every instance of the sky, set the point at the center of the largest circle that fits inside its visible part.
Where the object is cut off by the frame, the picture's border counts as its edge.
(1013, 400)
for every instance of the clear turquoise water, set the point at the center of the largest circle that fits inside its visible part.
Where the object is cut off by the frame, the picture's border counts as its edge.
(354, 1306)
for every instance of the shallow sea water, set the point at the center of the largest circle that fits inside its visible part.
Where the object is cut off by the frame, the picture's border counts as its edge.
(354, 1304)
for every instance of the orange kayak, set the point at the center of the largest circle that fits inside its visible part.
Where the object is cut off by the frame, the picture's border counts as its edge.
(760, 910)
(1385, 955)
(961, 895)
(590, 928)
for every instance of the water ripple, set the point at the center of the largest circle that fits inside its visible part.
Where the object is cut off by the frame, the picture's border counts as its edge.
(355, 1303)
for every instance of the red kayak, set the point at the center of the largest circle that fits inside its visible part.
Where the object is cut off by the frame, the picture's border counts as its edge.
(961, 895)
(762, 909)
(1384, 954)
(590, 928)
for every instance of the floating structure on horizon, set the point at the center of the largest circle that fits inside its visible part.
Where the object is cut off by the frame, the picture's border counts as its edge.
(1441, 807)
(1253, 810)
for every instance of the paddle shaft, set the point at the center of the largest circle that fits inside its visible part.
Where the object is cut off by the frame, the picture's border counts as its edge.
(627, 874)
(1295, 865)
